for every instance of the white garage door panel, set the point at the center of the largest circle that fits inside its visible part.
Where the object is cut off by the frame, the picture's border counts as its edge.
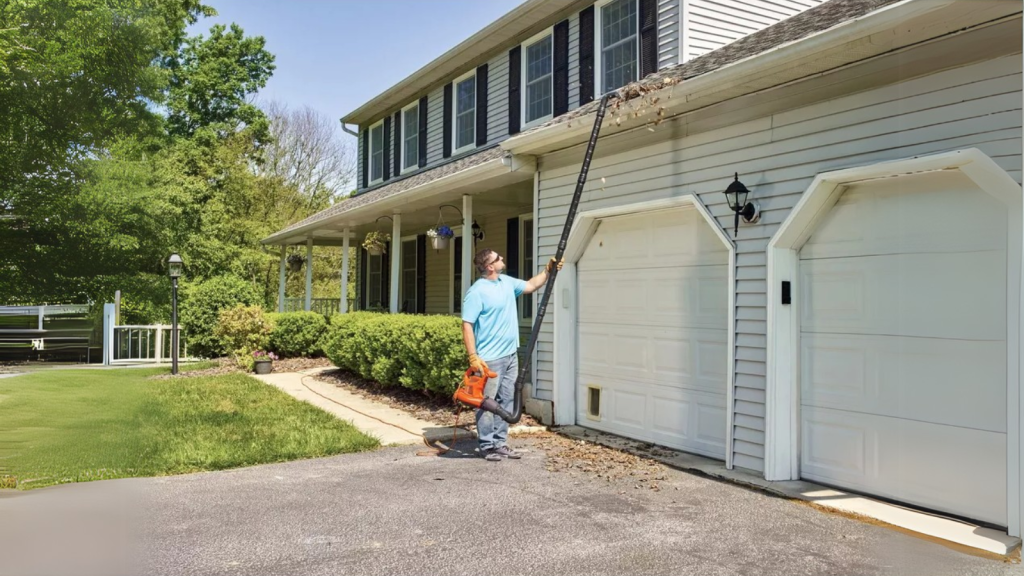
(940, 212)
(926, 379)
(902, 293)
(652, 330)
(959, 296)
(691, 296)
(672, 417)
(939, 467)
(695, 359)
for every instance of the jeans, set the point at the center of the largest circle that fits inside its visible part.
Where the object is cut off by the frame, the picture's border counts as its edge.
(491, 430)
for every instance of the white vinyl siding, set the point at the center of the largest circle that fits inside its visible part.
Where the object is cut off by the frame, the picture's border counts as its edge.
(711, 24)
(377, 153)
(618, 44)
(669, 32)
(435, 126)
(464, 110)
(411, 137)
(971, 106)
(538, 63)
(497, 98)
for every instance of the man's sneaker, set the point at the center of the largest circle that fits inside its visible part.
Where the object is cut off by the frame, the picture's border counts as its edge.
(508, 452)
(492, 455)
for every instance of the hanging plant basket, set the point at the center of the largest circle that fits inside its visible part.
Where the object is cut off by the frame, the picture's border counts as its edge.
(439, 242)
(375, 243)
(295, 263)
(440, 235)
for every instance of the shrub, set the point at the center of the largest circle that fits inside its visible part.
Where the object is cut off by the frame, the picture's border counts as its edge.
(417, 352)
(298, 334)
(243, 330)
(201, 305)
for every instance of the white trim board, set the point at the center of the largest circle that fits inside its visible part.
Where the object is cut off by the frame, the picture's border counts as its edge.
(566, 350)
(782, 433)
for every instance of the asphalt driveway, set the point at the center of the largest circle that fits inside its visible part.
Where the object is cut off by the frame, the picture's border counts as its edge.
(393, 512)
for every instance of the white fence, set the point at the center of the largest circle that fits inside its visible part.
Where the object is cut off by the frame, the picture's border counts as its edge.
(137, 344)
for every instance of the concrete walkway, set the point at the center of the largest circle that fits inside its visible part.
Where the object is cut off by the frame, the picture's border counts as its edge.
(391, 426)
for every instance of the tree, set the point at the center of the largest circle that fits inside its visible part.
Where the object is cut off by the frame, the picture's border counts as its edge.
(308, 153)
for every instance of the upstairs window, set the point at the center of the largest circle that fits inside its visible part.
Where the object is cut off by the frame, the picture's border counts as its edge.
(465, 113)
(618, 23)
(377, 152)
(538, 65)
(411, 137)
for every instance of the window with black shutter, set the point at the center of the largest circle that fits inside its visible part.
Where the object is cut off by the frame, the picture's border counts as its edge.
(586, 78)
(387, 148)
(618, 31)
(446, 123)
(481, 105)
(648, 37)
(421, 274)
(423, 132)
(514, 75)
(366, 158)
(560, 92)
(538, 78)
(396, 156)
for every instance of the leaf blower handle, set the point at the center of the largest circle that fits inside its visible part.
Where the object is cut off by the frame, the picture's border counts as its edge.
(480, 367)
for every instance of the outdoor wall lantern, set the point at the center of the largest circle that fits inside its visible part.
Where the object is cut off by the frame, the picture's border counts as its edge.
(736, 196)
(175, 266)
(478, 232)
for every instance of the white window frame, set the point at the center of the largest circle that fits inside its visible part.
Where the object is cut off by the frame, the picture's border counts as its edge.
(451, 268)
(370, 151)
(402, 138)
(524, 63)
(599, 54)
(455, 112)
(415, 268)
(526, 273)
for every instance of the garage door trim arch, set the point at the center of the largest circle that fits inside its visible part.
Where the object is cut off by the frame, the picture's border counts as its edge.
(782, 435)
(566, 312)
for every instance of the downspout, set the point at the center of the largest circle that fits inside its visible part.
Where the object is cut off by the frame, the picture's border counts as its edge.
(347, 130)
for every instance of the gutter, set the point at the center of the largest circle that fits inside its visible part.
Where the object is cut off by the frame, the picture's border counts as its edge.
(778, 65)
(347, 130)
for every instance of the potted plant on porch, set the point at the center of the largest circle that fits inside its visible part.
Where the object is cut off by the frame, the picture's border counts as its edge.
(439, 236)
(263, 361)
(375, 242)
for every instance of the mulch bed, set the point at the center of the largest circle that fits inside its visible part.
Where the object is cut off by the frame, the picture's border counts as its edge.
(439, 410)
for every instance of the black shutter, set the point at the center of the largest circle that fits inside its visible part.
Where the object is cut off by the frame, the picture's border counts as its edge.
(366, 158)
(387, 148)
(481, 105)
(423, 132)
(512, 248)
(648, 37)
(515, 71)
(385, 276)
(421, 274)
(446, 138)
(361, 278)
(586, 55)
(561, 69)
(398, 143)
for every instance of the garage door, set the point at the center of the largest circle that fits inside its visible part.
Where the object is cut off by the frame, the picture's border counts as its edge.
(653, 300)
(903, 345)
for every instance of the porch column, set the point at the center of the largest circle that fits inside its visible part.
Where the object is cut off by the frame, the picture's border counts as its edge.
(343, 305)
(309, 274)
(282, 278)
(396, 260)
(468, 250)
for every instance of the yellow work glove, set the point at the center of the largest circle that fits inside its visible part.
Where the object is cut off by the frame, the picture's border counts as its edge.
(552, 262)
(477, 364)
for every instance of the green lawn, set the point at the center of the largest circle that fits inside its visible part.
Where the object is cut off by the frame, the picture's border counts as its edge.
(63, 426)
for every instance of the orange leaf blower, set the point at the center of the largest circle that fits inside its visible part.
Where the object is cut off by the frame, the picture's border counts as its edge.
(472, 391)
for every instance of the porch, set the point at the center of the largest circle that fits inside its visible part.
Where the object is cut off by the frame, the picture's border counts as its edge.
(487, 196)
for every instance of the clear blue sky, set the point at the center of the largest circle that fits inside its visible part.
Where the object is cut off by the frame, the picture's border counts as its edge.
(334, 55)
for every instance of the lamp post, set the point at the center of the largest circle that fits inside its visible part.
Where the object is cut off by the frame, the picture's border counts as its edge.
(736, 196)
(174, 267)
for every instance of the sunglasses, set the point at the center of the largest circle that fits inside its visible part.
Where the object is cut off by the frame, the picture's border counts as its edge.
(496, 260)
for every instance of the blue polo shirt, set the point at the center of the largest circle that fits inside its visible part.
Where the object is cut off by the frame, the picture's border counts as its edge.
(490, 306)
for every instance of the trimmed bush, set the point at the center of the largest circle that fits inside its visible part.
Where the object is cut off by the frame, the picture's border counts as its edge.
(244, 330)
(298, 334)
(417, 352)
(201, 305)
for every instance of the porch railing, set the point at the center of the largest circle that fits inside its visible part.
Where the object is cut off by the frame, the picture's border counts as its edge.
(325, 306)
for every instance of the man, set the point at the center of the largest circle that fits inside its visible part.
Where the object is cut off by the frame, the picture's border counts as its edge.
(490, 329)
